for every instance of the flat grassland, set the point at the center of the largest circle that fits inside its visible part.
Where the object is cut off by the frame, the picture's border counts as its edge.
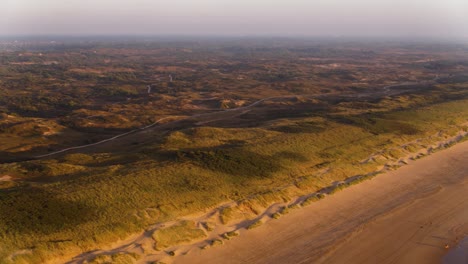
(236, 136)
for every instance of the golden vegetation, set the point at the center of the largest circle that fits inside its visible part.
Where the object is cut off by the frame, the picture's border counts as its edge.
(180, 233)
(61, 206)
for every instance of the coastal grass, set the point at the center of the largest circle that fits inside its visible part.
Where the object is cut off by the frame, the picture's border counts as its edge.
(182, 232)
(229, 235)
(118, 258)
(65, 206)
(255, 224)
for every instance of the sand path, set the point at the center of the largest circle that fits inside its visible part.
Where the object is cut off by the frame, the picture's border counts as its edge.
(389, 90)
(403, 216)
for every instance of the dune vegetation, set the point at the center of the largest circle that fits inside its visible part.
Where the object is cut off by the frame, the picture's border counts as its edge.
(83, 201)
(60, 206)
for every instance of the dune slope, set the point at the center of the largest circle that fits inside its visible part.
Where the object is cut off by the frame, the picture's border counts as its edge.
(410, 215)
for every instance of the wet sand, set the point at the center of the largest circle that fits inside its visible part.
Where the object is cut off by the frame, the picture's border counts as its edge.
(405, 216)
(459, 254)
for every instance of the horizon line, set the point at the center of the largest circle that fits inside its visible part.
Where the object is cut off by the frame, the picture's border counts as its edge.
(237, 36)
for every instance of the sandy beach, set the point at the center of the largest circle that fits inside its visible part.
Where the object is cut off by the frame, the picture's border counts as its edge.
(415, 214)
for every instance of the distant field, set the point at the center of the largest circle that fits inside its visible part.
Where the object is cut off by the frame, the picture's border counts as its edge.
(329, 136)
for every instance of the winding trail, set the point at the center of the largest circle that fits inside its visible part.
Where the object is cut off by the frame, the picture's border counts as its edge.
(386, 91)
(105, 140)
(152, 125)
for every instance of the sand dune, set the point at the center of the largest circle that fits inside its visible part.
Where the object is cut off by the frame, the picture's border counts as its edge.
(405, 216)
(216, 229)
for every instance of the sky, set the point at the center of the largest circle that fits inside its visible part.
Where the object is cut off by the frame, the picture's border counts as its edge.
(370, 18)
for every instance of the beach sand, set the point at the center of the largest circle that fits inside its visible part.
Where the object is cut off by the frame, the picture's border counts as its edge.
(415, 214)
(459, 254)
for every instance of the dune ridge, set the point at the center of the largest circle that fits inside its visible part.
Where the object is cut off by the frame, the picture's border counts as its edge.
(143, 246)
(415, 214)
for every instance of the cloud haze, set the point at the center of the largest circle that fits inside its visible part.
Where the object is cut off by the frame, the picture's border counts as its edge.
(428, 18)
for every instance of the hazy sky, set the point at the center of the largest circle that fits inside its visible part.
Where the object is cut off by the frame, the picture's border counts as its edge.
(423, 18)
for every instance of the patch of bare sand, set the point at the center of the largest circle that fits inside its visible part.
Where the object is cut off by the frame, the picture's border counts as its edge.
(6, 178)
(405, 216)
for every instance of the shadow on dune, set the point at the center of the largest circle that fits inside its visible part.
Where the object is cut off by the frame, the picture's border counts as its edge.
(39, 213)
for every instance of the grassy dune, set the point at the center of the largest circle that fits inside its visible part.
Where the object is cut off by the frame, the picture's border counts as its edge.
(78, 202)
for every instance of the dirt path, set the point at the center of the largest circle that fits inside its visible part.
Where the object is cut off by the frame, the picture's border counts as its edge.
(105, 140)
(404, 216)
(386, 91)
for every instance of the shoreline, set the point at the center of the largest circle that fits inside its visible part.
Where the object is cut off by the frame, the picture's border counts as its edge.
(408, 215)
(143, 244)
(459, 254)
